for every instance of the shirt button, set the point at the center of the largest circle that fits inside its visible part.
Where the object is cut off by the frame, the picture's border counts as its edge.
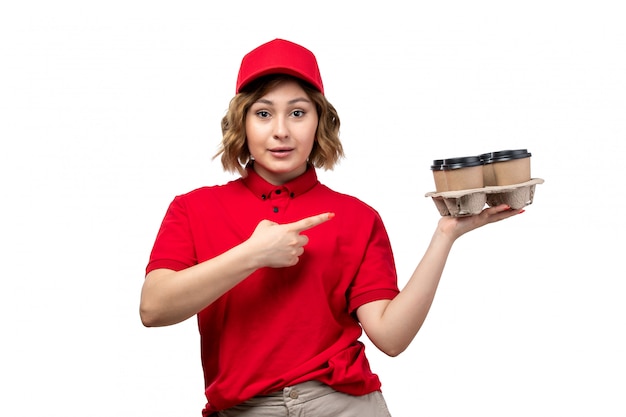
(294, 394)
(278, 191)
(275, 209)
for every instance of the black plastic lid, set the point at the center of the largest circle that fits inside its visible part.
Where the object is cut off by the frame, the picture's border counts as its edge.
(455, 163)
(486, 157)
(506, 155)
(437, 165)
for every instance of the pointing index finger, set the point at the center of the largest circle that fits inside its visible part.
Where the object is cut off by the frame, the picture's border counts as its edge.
(310, 222)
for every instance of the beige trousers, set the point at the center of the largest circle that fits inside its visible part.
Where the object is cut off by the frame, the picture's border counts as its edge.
(310, 399)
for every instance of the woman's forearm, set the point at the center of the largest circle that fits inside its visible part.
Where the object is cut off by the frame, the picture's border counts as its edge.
(169, 297)
(392, 325)
(395, 324)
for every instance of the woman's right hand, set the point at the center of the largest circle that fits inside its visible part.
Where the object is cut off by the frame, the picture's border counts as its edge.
(281, 245)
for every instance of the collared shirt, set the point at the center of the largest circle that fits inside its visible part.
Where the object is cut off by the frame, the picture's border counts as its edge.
(282, 326)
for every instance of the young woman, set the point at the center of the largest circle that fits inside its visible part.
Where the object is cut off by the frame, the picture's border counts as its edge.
(282, 272)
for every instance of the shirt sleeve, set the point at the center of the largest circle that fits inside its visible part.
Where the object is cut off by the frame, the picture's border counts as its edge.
(376, 278)
(173, 247)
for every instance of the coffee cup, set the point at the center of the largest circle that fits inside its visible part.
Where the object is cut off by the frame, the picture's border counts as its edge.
(507, 167)
(455, 174)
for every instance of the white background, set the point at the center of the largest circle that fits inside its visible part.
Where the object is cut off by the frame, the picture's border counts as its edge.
(109, 109)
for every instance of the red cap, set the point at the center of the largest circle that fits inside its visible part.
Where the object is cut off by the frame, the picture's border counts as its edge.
(279, 57)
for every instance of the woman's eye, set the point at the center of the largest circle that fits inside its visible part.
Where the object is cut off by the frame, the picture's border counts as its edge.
(298, 113)
(263, 114)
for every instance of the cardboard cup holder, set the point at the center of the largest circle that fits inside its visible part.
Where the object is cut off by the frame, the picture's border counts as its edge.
(473, 201)
(464, 185)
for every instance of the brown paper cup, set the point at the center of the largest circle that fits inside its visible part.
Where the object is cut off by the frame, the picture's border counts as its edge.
(454, 174)
(506, 167)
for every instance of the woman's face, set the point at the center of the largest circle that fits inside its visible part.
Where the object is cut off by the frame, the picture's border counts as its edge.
(280, 131)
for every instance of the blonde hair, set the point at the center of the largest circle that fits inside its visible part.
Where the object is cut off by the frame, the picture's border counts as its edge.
(235, 155)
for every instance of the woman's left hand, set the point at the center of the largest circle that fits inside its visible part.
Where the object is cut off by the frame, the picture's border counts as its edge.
(455, 227)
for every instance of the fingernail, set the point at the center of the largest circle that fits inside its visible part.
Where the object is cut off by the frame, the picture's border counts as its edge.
(521, 211)
(331, 215)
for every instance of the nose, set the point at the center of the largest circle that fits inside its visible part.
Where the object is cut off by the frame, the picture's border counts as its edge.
(281, 130)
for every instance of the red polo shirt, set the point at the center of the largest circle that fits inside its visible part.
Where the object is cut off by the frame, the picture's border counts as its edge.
(281, 326)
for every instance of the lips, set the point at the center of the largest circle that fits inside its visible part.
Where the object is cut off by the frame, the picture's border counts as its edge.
(280, 151)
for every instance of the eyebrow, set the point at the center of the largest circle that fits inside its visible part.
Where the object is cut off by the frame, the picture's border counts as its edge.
(294, 101)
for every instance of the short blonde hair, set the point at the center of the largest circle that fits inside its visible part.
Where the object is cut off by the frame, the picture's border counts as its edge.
(235, 155)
